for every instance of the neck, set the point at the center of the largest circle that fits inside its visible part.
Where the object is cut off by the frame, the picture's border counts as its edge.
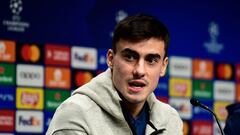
(133, 109)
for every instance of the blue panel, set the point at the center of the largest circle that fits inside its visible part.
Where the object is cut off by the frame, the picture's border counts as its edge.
(200, 113)
(7, 97)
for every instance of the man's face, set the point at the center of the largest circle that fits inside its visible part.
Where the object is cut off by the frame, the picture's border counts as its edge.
(136, 68)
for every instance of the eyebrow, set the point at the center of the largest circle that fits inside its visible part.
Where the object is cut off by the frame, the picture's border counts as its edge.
(157, 56)
(128, 50)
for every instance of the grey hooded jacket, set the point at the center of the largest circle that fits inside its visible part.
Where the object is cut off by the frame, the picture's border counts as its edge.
(94, 109)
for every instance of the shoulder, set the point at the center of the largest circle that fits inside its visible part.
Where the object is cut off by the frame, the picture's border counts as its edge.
(164, 114)
(72, 114)
(168, 109)
(162, 108)
(77, 105)
(75, 102)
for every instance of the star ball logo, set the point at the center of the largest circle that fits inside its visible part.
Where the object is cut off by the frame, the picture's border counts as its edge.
(16, 6)
(16, 24)
(213, 46)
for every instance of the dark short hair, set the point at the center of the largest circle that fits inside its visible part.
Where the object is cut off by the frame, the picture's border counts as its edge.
(140, 27)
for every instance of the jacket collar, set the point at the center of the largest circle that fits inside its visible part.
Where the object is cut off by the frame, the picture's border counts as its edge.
(157, 115)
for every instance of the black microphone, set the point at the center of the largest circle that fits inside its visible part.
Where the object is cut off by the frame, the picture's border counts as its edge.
(195, 102)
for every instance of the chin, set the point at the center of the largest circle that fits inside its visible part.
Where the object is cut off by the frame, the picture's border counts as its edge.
(136, 100)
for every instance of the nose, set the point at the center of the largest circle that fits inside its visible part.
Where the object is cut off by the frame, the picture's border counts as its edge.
(139, 69)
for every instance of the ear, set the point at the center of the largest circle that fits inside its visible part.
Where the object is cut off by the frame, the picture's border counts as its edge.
(164, 67)
(110, 55)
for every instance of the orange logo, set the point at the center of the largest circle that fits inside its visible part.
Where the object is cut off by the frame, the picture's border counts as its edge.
(30, 52)
(82, 78)
(57, 77)
(7, 51)
(224, 71)
(203, 69)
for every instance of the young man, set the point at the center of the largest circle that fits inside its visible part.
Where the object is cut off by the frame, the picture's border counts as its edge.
(120, 101)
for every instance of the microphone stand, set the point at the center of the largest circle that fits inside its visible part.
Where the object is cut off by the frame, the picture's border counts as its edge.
(195, 102)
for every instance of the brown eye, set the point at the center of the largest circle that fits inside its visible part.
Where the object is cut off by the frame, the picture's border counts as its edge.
(152, 60)
(129, 57)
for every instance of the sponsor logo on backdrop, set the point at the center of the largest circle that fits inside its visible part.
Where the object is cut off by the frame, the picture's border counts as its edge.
(53, 98)
(82, 77)
(163, 99)
(180, 66)
(7, 74)
(7, 97)
(224, 71)
(29, 75)
(120, 15)
(238, 72)
(30, 53)
(57, 77)
(202, 89)
(220, 109)
(29, 121)
(200, 114)
(203, 69)
(47, 119)
(183, 107)
(180, 87)
(7, 51)
(7, 121)
(84, 58)
(29, 98)
(213, 46)
(102, 60)
(202, 127)
(57, 55)
(162, 88)
(224, 90)
(238, 92)
(15, 24)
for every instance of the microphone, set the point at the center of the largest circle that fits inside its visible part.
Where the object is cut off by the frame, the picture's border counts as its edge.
(195, 102)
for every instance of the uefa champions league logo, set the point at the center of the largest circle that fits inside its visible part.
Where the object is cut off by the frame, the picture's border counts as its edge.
(16, 7)
(15, 23)
(213, 46)
(120, 15)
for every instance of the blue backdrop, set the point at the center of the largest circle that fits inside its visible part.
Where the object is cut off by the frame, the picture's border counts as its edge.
(90, 23)
(206, 29)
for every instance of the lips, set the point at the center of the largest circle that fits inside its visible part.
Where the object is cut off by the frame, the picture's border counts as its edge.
(136, 85)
